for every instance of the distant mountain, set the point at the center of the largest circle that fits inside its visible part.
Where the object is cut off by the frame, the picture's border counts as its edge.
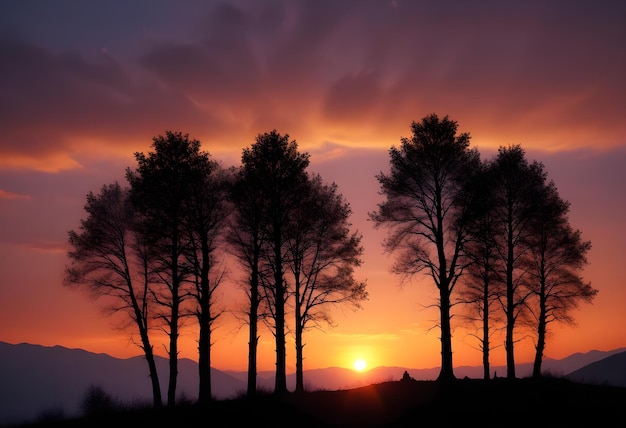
(576, 361)
(35, 379)
(607, 371)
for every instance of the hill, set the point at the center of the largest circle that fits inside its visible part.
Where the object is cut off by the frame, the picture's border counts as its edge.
(597, 372)
(36, 381)
(547, 402)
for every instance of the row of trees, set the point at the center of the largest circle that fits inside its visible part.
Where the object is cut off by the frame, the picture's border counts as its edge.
(492, 234)
(156, 248)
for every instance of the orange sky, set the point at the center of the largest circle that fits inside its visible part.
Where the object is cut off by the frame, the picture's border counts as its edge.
(85, 85)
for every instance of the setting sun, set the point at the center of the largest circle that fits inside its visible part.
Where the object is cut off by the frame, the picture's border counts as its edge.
(359, 365)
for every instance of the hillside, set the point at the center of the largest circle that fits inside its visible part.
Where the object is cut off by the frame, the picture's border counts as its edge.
(596, 372)
(36, 381)
(548, 402)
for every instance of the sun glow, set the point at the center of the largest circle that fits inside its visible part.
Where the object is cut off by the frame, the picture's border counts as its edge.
(360, 365)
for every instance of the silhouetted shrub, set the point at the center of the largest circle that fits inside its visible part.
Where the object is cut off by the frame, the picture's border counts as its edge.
(184, 400)
(54, 414)
(97, 401)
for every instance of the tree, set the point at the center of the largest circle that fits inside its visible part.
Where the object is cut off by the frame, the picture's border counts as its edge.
(515, 186)
(425, 210)
(205, 215)
(110, 258)
(479, 291)
(322, 256)
(161, 188)
(245, 238)
(556, 253)
(278, 170)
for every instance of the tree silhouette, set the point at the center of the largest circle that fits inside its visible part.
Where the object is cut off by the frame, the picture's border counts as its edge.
(322, 256)
(205, 219)
(279, 171)
(109, 256)
(425, 211)
(556, 253)
(515, 186)
(161, 188)
(479, 291)
(245, 237)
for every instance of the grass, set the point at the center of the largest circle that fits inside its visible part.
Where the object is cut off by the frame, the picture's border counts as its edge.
(552, 402)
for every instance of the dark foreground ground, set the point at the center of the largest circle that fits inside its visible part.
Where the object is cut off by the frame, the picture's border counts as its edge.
(497, 403)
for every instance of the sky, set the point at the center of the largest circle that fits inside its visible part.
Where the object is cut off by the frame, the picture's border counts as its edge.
(85, 85)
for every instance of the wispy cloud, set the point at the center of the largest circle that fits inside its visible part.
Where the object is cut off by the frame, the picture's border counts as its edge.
(351, 72)
(4, 194)
(50, 247)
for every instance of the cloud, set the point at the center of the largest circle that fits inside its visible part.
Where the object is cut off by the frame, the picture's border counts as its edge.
(355, 73)
(10, 195)
(48, 247)
(58, 105)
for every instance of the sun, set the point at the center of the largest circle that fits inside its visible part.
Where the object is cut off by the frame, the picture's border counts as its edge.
(359, 365)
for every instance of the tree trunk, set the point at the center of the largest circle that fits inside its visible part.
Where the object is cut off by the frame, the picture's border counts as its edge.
(204, 357)
(253, 338)
(204, 364)
(510, 307)
(299, 351)
(447, 371)
(204, 339)
(173, 351)
(485, 344)
(510, 358)
(157, 400)
(280, 386)
(154, 376)
(173, 356)
(541, 337)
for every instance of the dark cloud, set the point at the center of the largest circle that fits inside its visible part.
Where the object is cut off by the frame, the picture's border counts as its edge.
(55, 103)
(357, 72)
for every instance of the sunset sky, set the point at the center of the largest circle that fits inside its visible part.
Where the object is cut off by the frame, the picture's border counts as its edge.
(84, 85)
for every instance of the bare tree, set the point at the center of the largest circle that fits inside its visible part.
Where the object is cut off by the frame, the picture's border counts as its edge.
(110, 257)
(425, 211)
(556, 255)
(322, 256)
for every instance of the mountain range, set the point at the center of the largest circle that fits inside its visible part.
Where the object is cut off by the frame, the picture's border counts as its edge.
(35, 379)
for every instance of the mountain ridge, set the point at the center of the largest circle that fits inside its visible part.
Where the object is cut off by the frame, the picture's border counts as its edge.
(36, 379)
